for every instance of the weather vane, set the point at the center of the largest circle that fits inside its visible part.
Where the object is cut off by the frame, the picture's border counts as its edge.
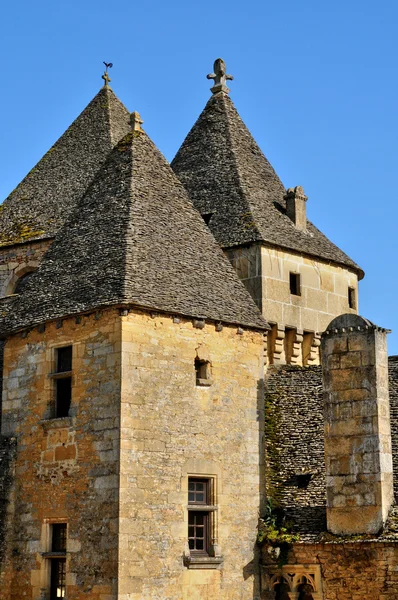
(105, 76)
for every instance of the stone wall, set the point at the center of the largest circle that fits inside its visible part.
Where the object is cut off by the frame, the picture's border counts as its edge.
(294, 442)
(295, 318)
(246, 261)
(393, 388)
(7, 455)
(324, 290)
(353, 571)
(358, 459)
(171, 429)
(67, 468)
(16, 260)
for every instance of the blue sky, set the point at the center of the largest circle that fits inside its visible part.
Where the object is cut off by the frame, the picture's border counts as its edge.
(316, 83)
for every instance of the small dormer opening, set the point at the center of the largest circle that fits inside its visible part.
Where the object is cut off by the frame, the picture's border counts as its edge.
(207, 217)
(202, 372)
(294, 281)
(22, 281)
(352, 301)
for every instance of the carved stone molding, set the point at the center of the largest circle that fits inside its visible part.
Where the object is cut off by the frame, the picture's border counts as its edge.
(294, 581)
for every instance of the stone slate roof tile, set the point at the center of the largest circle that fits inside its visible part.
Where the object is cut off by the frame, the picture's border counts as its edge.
(134, 239)
(44, 199)
(226, 173)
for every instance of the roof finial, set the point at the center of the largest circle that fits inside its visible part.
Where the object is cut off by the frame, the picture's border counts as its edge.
(220, 77)
(105, 76)
(136, 121)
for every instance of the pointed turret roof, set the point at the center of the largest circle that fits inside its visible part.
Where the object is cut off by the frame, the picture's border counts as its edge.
(135, 239)
(43, 200)
(227, 176)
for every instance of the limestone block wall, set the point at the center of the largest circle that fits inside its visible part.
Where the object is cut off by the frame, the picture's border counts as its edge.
(66, 469)
(171, 429)
(324, 290)
(296, 319)
(247, 264)
(358, 455)
(16, 260)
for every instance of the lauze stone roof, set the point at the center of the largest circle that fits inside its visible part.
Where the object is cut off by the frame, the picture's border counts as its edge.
(47, 195)
(228, 176)
(134, 239)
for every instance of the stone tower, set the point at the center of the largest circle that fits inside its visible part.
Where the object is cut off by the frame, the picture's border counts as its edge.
(133, 379)
(298, 278)
(358, 454)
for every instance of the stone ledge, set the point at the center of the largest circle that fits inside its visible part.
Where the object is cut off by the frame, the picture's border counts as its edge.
(57, 423)
(203, 562)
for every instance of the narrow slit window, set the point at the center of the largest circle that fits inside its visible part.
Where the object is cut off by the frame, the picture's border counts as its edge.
(202, 372)
(295, 285)
(57, 558)
(62, 381)
(352, 303)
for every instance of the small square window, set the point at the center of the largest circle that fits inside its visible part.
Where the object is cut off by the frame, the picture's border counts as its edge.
(202, 372)
(352, 301)
(294, 281)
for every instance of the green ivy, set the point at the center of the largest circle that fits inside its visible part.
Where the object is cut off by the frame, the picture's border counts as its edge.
(275, 531)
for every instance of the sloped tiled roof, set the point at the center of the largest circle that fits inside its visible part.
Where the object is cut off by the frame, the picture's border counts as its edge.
(226, 173)
(135, 239)
(43, 200)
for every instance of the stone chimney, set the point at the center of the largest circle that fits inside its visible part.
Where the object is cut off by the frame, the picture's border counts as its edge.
(295, 206)
(359, 478)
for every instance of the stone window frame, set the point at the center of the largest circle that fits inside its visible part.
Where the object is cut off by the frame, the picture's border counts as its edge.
(212, 559)
(49, 556)
(293, 576)
(56, 375)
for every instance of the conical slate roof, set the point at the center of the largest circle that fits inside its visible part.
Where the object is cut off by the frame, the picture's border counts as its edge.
(135, 239)
(227, 175)
(44, 199)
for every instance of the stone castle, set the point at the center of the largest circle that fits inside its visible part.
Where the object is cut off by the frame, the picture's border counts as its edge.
(167, 429)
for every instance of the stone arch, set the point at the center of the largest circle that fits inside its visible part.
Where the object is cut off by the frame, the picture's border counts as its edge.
(16, 275)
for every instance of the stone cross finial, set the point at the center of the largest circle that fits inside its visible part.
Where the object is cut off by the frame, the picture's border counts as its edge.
(105, 76)
(136, 121)
(220, 77)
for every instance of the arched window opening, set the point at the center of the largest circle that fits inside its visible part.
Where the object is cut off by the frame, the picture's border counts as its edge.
(282, 590)
(305, 589)
(22, 281)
